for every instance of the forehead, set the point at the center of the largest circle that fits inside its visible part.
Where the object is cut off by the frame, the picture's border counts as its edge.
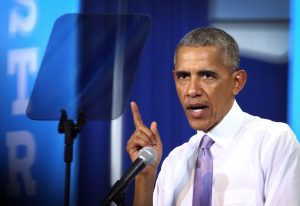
(206, 55)
(185, 51)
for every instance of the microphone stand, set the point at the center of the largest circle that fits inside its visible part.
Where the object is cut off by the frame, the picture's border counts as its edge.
(70, 129)
(117, 193)
(116, 197)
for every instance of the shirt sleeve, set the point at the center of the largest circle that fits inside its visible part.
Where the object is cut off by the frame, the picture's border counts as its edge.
(158, 193)
(282, 183)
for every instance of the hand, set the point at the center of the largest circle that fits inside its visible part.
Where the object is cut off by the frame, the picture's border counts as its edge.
(142, 137)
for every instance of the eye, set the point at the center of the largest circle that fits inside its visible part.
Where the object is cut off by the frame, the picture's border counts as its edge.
(182, 75)
(208, 75)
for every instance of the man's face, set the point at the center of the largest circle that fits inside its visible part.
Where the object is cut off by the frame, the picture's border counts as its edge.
(204, 85)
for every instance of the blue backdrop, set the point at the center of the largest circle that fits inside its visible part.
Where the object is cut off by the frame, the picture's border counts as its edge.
(154, 91)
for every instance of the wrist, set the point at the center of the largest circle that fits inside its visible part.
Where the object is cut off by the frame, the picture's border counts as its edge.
(148, 173)
(144, 186)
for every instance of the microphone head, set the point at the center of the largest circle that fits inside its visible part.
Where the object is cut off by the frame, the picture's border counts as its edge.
(148, 155)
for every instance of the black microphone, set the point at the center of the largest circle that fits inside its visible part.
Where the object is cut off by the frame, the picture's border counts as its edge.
(146, 156)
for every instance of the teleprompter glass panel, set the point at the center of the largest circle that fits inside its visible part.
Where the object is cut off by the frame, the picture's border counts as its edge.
(89, 66)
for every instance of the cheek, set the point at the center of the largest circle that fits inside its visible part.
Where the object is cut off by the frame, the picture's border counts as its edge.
(180, 90)
(179, 93)
(219, 96)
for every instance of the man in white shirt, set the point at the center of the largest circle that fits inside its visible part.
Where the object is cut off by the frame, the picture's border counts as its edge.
(255, 161)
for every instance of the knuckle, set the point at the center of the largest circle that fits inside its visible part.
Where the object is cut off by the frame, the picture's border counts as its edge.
(139, 132)
(128, 143)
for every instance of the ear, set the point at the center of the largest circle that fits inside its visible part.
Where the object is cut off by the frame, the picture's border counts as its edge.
(174, 74)
(239, 78)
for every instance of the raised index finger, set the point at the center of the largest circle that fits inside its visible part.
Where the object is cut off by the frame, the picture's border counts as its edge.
(138, 122)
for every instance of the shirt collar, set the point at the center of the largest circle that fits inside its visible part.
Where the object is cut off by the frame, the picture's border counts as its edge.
(224, 132)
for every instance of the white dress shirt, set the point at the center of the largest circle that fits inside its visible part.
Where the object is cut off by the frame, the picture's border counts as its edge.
(255, 162)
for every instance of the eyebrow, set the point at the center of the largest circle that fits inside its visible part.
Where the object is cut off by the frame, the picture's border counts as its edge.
(178, 73)
(202, 72)
(210, 72)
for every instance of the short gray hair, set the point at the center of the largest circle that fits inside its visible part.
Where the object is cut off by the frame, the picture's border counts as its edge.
(210, 36)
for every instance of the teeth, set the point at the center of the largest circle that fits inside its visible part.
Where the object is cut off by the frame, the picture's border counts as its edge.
(197, 110)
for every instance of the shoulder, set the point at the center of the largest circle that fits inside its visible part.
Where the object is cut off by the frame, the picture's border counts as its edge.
(266, 126)
(270, 133)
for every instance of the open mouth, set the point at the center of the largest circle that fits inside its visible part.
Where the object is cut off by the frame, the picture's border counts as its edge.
(197, 107)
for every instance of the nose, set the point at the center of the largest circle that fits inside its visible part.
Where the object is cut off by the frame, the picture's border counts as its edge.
(194, 88)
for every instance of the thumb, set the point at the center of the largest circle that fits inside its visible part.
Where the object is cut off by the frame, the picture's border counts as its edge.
(154, 130)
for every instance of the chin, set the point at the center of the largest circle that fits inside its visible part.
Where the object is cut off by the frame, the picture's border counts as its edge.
(197, 126)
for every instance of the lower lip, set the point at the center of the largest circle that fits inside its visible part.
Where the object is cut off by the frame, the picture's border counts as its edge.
(196, 113)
